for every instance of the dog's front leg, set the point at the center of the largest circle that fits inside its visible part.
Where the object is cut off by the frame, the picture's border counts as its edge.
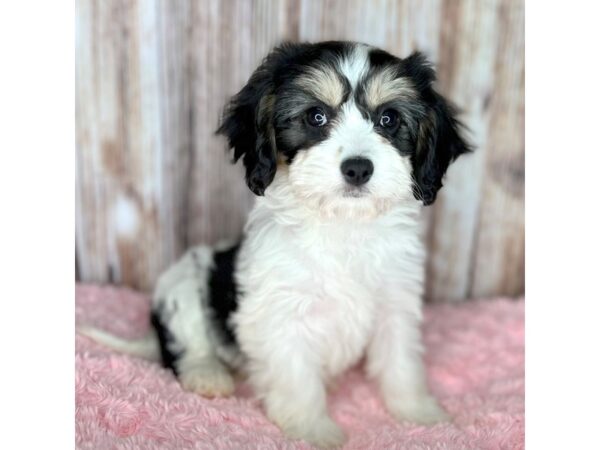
(394, 360)
(286, 374)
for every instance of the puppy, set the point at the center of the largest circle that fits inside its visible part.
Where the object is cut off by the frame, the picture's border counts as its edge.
(342, 143)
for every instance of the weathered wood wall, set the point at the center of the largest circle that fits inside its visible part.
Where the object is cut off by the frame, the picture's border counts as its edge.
(153, 75)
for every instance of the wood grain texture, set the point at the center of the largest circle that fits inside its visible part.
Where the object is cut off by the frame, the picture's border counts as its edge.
(466, 72)
(499, 239)
(151, 81)
(131, 160)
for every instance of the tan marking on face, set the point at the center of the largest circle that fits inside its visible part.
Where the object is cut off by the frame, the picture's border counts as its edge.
(385, 86)
(324, 83)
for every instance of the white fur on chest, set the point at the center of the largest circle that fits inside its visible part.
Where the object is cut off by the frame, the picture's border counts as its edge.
(314, 287)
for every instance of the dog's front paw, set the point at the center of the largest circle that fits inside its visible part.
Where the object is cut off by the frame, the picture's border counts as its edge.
(423, 410)
(208, 381)
(323, 433)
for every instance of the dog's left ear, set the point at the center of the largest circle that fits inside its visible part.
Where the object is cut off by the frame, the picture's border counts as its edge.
(439, 139)
(247, 123)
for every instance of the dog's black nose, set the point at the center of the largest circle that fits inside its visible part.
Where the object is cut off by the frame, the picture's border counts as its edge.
(357, 171)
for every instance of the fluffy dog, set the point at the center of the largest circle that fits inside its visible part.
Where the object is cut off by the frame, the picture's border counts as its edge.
(342, 144)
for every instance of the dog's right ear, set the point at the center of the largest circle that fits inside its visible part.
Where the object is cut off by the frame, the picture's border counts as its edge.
(248, 122)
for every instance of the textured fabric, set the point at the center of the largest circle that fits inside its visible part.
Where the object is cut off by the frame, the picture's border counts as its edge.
(474, 357)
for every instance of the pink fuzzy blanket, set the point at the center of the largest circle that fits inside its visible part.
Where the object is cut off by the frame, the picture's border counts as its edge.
(474, 358)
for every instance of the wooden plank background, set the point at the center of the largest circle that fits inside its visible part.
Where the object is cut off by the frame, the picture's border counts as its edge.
(152, 77)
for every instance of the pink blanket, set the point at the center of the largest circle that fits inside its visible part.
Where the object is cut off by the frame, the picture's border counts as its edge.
(474, 358)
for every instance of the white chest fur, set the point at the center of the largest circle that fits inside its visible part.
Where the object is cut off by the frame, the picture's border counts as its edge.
(311, 288)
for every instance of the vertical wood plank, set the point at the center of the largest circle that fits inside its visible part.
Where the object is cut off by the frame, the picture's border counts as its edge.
(96, 110)
(177, 117)
(466, 72)
(498, 265)
(86, 214)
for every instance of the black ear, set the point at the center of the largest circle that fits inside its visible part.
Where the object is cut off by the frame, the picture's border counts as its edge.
(247, 123)
(439, 137)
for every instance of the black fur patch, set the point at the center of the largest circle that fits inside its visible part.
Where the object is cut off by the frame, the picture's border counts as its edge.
(165, 339)
(223, 292)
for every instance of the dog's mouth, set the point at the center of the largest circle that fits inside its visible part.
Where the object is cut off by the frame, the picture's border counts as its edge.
(355, 192)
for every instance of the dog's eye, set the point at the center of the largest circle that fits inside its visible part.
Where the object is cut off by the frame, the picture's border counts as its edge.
(389, 119)
(316, 117)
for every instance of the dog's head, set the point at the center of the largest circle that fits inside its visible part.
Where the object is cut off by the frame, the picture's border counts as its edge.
(350, 125)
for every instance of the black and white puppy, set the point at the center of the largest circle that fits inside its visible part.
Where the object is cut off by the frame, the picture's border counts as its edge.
(342, 143)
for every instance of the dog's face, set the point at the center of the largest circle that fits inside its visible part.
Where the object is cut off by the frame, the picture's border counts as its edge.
(356, 127)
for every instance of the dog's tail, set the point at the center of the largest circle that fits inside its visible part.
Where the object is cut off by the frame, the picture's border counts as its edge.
(147, 347)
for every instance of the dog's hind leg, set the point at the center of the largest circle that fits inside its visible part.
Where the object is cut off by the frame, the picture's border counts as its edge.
(183, 325)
